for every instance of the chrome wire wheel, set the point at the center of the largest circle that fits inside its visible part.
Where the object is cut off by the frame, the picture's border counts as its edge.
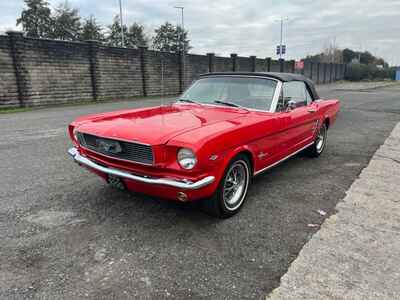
(235, 185)
(321, 139)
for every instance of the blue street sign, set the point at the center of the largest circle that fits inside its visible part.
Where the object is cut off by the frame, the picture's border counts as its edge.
(279, 50)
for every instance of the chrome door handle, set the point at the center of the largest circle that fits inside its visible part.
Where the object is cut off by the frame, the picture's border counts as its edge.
(311, 111)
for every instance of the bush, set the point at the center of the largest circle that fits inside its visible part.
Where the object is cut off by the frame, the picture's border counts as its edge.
(357, 72)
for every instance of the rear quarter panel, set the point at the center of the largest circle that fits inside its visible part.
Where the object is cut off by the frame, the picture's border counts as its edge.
(328, 110)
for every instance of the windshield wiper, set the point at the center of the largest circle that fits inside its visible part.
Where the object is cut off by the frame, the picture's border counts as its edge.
(229, 103)
(188, 101)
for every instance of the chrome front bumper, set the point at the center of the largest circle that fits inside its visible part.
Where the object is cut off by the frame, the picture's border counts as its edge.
(183, 184)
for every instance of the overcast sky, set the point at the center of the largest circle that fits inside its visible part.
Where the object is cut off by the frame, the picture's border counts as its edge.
(251, 27)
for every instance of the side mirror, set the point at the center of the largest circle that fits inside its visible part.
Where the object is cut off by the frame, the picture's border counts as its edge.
(290, 104)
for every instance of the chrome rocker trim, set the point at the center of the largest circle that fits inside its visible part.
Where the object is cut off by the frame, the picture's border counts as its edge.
(187, 185)
(282, 160)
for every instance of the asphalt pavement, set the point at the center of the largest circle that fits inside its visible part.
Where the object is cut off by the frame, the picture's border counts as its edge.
(64, 234)
(355, 254)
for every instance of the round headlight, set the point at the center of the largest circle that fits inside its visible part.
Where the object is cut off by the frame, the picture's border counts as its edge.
(186, 158)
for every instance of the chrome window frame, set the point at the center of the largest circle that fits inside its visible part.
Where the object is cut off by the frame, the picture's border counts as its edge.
(308, 95)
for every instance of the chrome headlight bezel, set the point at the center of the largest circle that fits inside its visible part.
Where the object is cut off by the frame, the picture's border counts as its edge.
(186, 158)
(75, 134)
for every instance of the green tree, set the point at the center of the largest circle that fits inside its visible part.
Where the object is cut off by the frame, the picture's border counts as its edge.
(348, 55)
(136, 36)
(91, 31)
(114, 37)
(36, 18)
(183, 43)
(66, 23)
(170, 38)
(367, 58)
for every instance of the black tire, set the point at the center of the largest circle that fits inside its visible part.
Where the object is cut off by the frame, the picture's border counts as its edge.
(218, 205)
(319, 144)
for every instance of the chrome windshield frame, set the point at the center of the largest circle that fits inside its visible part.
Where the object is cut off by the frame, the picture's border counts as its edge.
(275, 97)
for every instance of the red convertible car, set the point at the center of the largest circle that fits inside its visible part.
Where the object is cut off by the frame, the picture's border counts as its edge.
(224, 129)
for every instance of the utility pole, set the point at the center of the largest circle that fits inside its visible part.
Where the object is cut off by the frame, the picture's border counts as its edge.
(333, 58)
(122, 24)
(280, 50)
(281, 40)
(182, 41)
(182, 26)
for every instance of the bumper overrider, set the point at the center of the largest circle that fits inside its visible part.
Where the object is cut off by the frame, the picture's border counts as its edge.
(167, 182)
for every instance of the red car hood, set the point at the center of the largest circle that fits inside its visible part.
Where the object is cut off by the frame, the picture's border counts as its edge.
(156, 125)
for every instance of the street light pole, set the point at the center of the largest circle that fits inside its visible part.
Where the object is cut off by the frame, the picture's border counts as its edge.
(122, 24)
(182, 41)
(280, 49)
(182, 26)
(281, 40)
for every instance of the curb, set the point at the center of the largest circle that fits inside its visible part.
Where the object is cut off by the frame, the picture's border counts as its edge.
(355, 254)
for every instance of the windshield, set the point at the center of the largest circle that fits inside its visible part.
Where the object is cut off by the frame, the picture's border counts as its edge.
(247, 92)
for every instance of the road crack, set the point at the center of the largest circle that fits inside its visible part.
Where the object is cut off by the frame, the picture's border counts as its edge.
(388, 158)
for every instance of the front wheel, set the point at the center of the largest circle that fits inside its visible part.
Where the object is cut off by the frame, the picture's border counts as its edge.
(318, 147)
(232, 190)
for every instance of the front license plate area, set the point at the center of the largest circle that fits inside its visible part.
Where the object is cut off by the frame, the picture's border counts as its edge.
(116, 182)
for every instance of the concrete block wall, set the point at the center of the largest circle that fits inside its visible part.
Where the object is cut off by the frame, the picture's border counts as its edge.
(261, 65)
(243, 64)
(56, 71)
(8, 82)
(119, 73)
(195, 65)
(39, 72)
(275, 67)
(162, 67)
(222, 64)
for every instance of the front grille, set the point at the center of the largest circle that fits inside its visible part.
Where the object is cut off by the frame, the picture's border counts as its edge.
(126, 150)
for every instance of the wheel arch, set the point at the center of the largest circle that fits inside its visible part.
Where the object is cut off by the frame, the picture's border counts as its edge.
(244, 150)
(327, 122)
(250, 157)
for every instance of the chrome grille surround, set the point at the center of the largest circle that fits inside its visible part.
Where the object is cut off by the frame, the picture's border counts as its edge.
(130, 151)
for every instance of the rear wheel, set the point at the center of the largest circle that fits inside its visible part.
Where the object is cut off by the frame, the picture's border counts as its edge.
(318, 147)
(232, 190)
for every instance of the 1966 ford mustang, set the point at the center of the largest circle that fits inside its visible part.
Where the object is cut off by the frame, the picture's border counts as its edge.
(225, 129)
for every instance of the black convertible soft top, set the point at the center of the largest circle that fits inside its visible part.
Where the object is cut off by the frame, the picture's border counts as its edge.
(285, 77)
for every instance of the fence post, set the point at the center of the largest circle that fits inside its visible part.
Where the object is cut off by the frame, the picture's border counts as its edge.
(253, 63)
(268, 59)
(143, 50)
(94, 69)
(281, 65)
(181, 71)
(293, 65)
(210, 62)
(344, 70)
(311, 69)
(330, 72)
(317, 80)
(16, 40)
(337, 72)
(234, 57)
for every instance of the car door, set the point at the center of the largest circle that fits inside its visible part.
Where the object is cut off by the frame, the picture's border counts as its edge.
(301, 120)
